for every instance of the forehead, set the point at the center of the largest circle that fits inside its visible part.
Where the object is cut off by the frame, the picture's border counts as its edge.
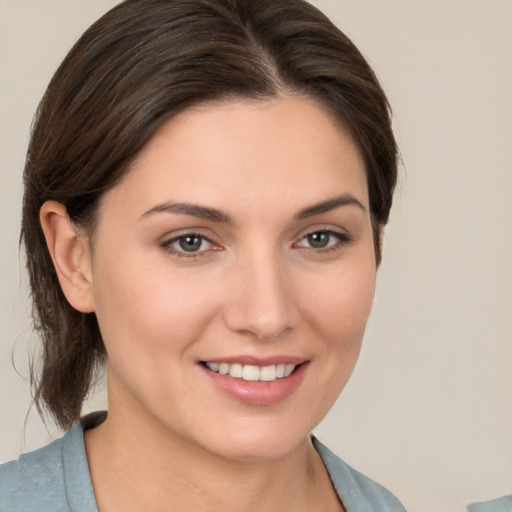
(247, 152)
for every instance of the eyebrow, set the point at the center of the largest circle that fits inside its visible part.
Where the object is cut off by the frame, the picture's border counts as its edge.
(330, 204)
(194, 210)
(215, 215)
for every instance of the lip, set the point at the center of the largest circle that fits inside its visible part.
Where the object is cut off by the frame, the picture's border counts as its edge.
(258, 361)
(258, 392)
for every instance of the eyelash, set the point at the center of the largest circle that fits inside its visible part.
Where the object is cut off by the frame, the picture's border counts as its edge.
(168, 246)
(342, 239)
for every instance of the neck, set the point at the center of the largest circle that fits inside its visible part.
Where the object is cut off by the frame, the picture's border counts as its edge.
(135, 465)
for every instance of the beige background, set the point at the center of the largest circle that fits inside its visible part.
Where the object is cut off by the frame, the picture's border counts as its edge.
(428, 412)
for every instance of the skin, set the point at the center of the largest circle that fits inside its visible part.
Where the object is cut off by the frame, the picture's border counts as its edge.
(256, 287)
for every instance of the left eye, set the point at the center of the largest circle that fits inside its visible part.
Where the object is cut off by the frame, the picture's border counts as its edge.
(189, 243)
(321, 239)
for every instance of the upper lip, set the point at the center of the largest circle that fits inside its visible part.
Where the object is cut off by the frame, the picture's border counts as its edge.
(257, 361)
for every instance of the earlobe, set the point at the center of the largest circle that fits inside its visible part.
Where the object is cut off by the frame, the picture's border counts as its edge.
(70, 254)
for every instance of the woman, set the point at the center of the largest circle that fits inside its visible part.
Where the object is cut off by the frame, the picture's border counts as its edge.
(205, 190)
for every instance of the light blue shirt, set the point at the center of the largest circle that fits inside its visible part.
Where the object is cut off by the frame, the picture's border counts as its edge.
(503, 504)
(56, 478)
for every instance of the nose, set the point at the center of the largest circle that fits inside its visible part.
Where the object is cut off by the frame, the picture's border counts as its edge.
(261, 298)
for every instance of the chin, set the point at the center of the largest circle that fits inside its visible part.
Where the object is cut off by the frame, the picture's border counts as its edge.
(263, 450)
(260, 441)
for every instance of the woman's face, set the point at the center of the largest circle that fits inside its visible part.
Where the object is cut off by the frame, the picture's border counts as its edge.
(239, 242)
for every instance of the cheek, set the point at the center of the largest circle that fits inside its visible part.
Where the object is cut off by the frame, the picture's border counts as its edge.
(146, 310)
(338, 311)
(341, 303)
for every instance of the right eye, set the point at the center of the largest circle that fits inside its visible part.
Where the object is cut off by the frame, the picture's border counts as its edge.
(189, 245)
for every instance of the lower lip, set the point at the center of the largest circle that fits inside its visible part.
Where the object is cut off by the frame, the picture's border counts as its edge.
(257, 392)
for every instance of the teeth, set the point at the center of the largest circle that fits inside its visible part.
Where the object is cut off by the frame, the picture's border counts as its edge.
(235, 370)
(288, 369)
(268, 373)
(214, 366)
(251, 372)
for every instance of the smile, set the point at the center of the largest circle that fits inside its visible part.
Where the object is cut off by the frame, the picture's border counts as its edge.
(256, 381)
(251, 372)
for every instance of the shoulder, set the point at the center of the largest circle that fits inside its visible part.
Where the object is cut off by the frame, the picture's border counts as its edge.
(357, 492)
(35, 481)
(503, 504)
(54, 478)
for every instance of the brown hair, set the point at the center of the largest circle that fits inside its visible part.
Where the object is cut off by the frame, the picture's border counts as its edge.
(135, 68)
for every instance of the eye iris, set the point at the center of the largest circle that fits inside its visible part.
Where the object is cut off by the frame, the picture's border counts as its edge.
(318, 240)
(190, 243)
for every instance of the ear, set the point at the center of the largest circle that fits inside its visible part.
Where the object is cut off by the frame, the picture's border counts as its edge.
(71, 255)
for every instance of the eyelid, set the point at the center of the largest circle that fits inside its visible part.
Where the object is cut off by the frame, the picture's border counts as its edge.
(167, 245)
(342, 237)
